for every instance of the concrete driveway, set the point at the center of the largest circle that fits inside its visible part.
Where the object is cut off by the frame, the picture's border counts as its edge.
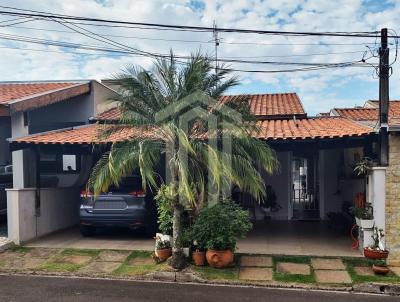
(113, 239)
(267, 237)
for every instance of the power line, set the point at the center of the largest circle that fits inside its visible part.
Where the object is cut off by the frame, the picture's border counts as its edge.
(188, 41)
(145, 53)
(32, 13)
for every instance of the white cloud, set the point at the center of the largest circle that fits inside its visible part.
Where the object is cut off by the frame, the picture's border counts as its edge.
(289, 15)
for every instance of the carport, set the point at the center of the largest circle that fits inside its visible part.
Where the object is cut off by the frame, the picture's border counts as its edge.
(58, 165)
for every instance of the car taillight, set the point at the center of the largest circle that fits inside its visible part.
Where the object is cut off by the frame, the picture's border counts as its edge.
(86, 193)
(139, 193)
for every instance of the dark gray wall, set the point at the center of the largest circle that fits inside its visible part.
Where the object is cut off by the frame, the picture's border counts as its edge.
(5, 132)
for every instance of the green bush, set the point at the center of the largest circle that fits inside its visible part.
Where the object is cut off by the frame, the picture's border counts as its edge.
(165, 198)
(218, 227)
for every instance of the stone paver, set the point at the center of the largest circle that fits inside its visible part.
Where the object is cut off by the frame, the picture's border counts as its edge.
(141, 261)
(328, 264)
(395, 270)
(100, 267)
(44, 253)
(332, 276)
(74, 259)
(364, 271)
(113, 256)
(293, 268)
(256, 261)
(20, 263)
(255, 273)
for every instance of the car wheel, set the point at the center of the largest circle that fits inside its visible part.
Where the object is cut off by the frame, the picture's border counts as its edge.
(87, 231)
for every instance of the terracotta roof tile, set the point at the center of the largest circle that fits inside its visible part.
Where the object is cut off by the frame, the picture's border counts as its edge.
(369, 116)
(277, 105)
(12, 91)
(87, 134)
(309, 128)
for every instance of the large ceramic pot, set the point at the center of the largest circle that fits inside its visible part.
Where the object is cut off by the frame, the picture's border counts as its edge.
(375, 254)
(219, 259)
(164, 254)
(199, 258)
(380, 270)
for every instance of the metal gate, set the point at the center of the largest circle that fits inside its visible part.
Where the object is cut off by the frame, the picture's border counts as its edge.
(305, 188)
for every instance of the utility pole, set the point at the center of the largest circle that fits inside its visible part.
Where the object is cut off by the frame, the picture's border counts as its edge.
(383, 99)
(216, 41)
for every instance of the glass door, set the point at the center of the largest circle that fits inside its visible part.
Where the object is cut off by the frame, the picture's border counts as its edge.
(305, 188)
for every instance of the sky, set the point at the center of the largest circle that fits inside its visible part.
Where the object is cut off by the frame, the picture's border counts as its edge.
(319, 90)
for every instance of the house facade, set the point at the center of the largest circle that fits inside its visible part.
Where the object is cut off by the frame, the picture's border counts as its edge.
(27, 108)
(368, 115)
(316, 156)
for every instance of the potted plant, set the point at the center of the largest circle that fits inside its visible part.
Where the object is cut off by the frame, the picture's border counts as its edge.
(376, 250)
(186, 242)
(218, 227)
(364, 216)
(163, 249)
(380, 267)
(198, 254)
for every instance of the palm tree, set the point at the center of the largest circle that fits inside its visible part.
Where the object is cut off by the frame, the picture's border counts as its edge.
(144, 95)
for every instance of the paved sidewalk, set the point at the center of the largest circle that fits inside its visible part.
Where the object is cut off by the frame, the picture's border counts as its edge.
(250, 269)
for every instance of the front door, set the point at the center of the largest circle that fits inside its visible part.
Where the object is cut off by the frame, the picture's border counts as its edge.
(305, 187)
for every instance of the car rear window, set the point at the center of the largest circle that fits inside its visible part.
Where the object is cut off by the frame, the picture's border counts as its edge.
(127, 185)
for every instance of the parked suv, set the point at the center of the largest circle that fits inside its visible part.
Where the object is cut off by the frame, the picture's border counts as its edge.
(126, 205)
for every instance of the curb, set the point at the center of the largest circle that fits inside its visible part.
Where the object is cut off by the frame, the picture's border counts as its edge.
(378, 288)
(191, 278)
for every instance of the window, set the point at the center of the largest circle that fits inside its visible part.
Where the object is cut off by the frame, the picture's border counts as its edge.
(59, 163)
(69, 163)
(26, 118)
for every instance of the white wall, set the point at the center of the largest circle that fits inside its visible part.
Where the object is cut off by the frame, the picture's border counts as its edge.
(59, 209)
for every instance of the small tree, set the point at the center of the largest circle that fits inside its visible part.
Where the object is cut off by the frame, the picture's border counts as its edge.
(146, 93)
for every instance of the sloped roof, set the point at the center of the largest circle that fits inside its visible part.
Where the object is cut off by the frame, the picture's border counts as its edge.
(87, 134)
(273, 104)
(358, 114)
(311, 128)
(263, 106)
(20, 96)
(369, 115)
(284, 129)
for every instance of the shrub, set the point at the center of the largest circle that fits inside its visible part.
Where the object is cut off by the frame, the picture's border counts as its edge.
(165, 198)
(218, 227)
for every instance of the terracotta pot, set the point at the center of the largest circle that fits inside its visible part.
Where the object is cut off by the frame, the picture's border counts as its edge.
(199, 258)
(375, 254)
(164, 254)
(380, 270)
(219, 259)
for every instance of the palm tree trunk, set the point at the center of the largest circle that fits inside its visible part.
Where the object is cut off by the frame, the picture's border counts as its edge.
(178, 260)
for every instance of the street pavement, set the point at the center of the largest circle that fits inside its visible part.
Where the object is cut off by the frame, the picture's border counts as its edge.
(35, 289)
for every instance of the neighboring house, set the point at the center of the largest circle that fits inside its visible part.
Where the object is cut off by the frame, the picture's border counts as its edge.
(390, 186)
(27, 108)
(316, 156)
